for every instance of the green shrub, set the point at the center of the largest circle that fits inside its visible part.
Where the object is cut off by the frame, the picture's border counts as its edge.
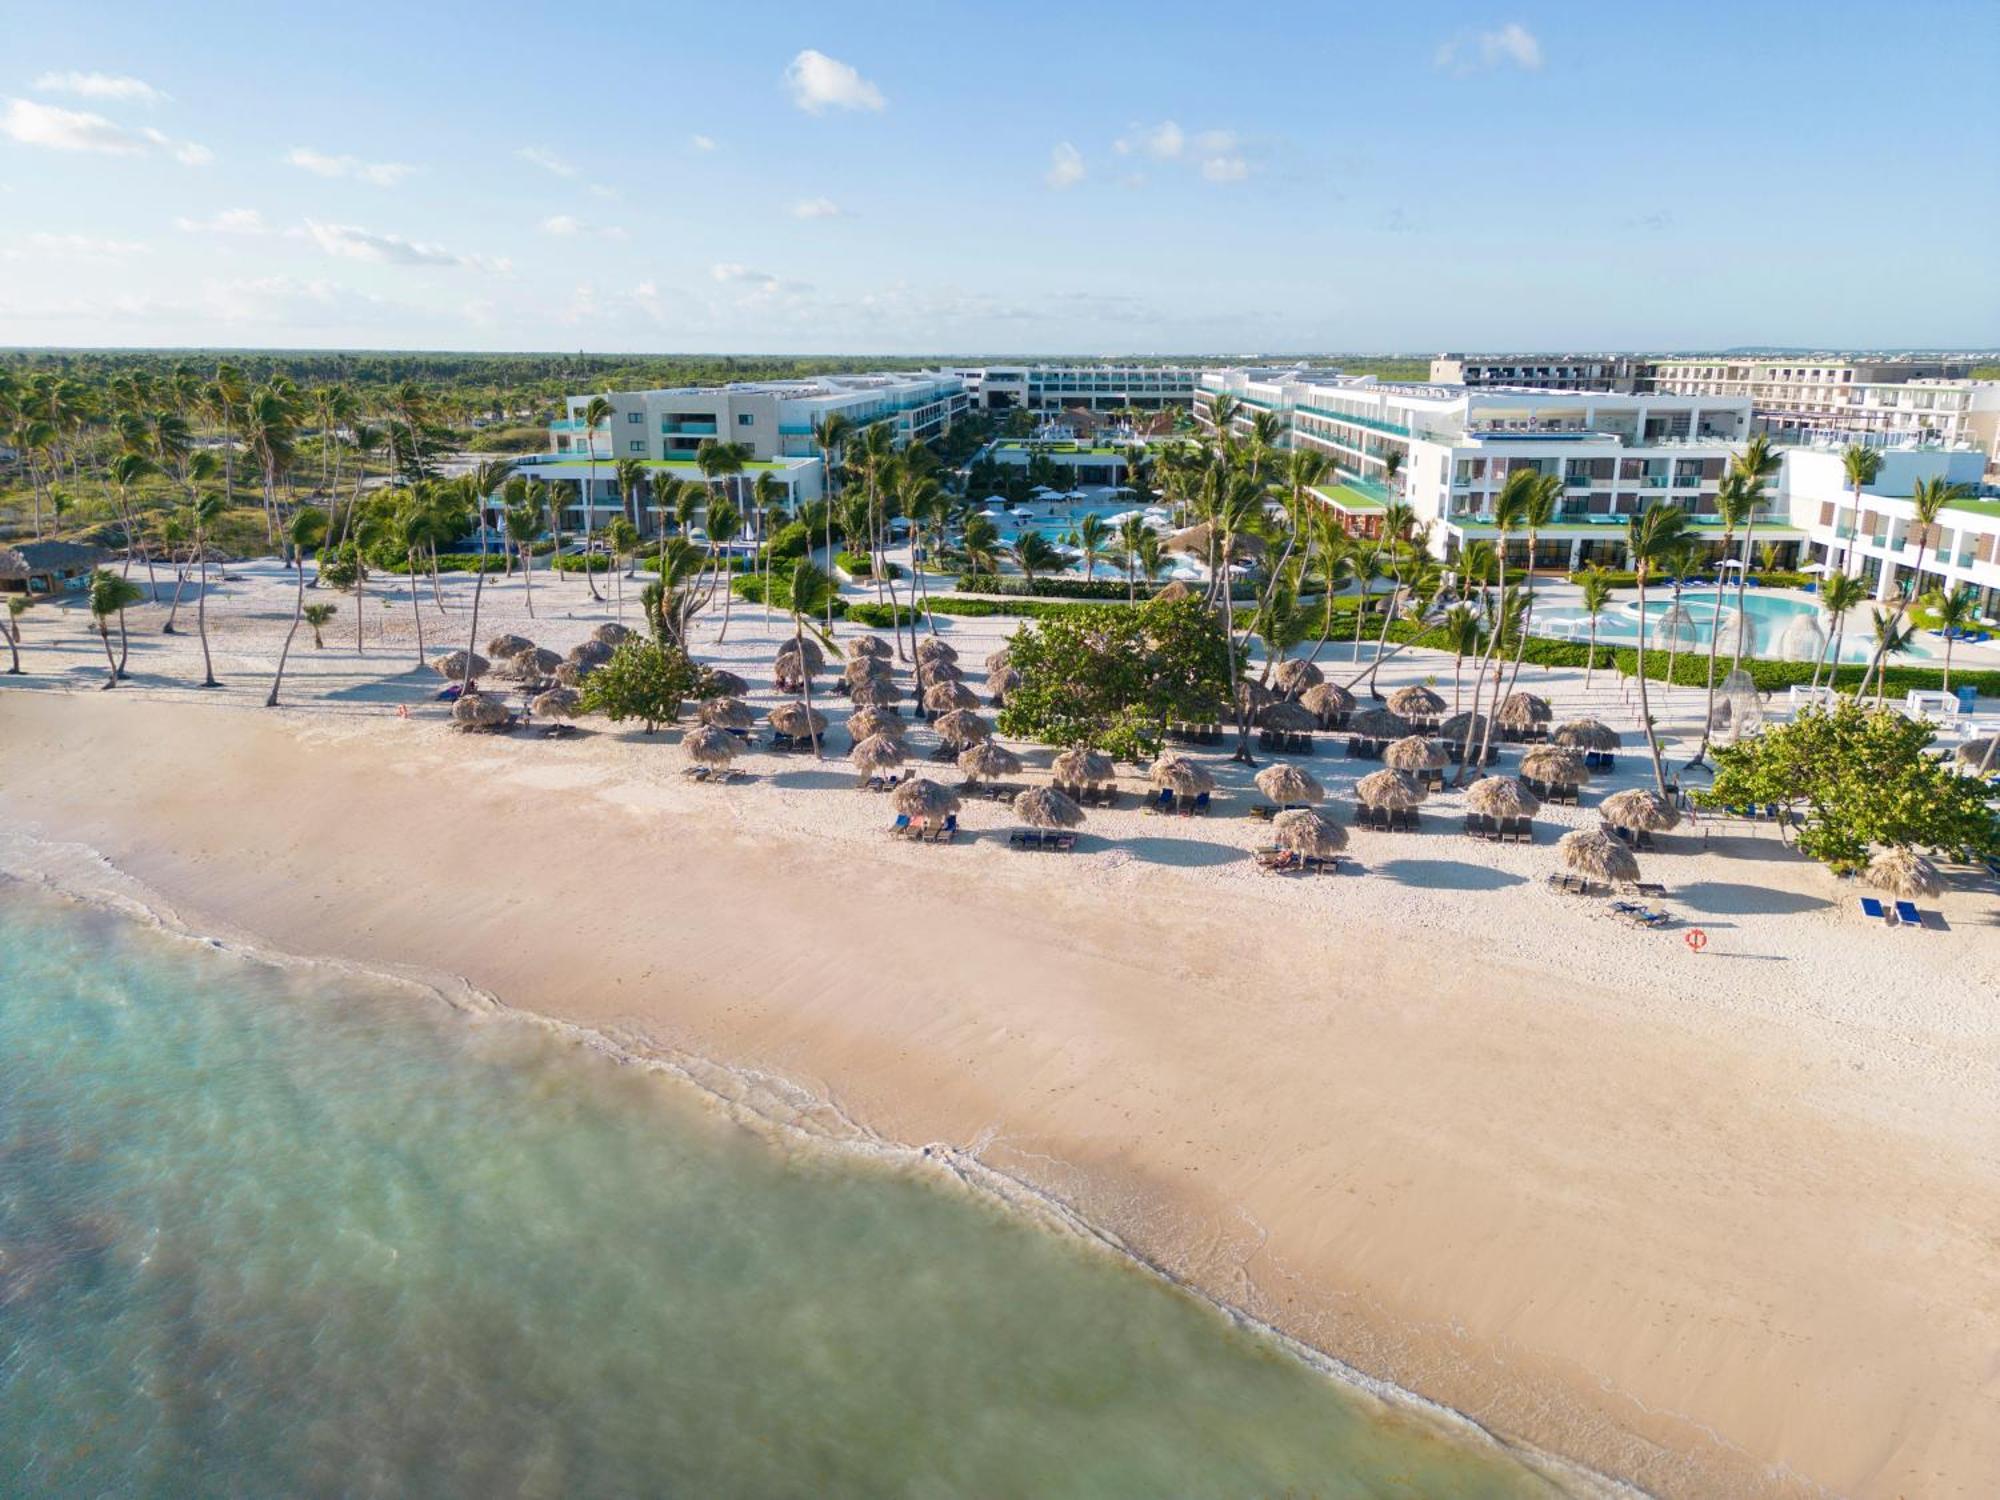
(789, 541)
(750, 587)
(591, 562)
(447, 562)
(1658, 585)
(859, 565)
(1108, 589)
(880, 616)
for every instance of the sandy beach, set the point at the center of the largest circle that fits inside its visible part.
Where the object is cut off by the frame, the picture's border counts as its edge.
(1716, 1222)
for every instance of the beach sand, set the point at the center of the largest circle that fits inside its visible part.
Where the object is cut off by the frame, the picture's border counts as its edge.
(1717, 1223)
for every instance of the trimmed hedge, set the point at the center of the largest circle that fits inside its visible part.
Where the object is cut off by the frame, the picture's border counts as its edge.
(1110, 591)
(750, 587)
(881, 616)
(1661, 585)
(860, 565)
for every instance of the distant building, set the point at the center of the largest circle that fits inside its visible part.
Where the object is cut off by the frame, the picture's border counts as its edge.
(1049, 389)
(1541, 372)
(48, 567)
(1878, 538)
(1825, 399)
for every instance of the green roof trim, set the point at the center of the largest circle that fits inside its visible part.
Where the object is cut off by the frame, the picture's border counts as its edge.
(1347, 497)
(1977, 507)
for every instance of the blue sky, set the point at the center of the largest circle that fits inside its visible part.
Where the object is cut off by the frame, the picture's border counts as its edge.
(942, 178)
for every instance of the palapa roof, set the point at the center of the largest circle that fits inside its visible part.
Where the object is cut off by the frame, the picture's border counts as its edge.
(1522, 711)
(478, 711)
(571, 673)
(1415, 702)
(508, 645)
(612, 633)
(1196, 540)
(1001, 683)
(788, 675)
(924, 798)
(1904, 872)
(1045, 807)
(1292, 718)
(876, 692)
(1555, 765)
(1080, 765)
(1295, 674)
(864, 722)
(869, 645)
(865, 668)
(1254, 695)
(1287, 783)
(1592, 852)
(1414, 753)
(1327, 699)
(453, 665)
(1454, 728)
(930, 673)
(1636, 807)
(794, 718)
(1501, 797)
(936, 648)
(878, 752)
(1974, 752)
(802, 645)
(535, 662)
(558, 703)
(988, 758)
(1390, 789)
(946, 696)
(590, 653)
(726, 713)
(1174, 592)
(961, 727)
(1184, 777)
(724, 684)
(1303, 830)
(1379, 724)
(1587, 734)
(24, 559)
(997, 661)
(709, 746)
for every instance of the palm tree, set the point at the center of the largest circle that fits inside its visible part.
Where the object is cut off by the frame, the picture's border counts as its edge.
(413, 526)
(981, 541)
(1928, 500)
(768, 503)
(1093, 532)
(479, 485)
(1680, 560)
(1862, 466)
(316, 616)
(1649, 535)
(1131, 531)
(1892, 638)
(1540, 510)
(1838, 593)
(364, 440)
(807, 594)
(1511, 506)
(1733, 500)
(1237, 510)
(307, 531)
(111, 595)
(725, 524)
(628, 474)
(1955, 610)
(1462, 631)
(622, 540)
(127, 469)
(205, 512)
(1756, 463)
(16, 607)
(830, 435)
(523, 523)
(1033, 553)
(597, 410)
(1596, 586)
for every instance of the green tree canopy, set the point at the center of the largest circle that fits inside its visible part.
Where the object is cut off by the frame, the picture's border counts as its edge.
(643, 680)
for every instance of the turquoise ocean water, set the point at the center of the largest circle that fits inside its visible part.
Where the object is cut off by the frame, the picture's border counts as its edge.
(275, 1231)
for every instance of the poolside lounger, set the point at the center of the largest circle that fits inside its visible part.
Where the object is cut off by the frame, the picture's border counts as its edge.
(1908, 915)
(1870, 907)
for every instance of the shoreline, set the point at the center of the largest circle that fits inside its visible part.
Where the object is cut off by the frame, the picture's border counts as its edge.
(39, 864)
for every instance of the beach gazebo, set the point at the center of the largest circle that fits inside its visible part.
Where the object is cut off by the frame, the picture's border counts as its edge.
(1389, 800)
(1080, 766)
(961, 727)
(795, 721)
(923, 801)
(726, 713)
(876, 754)
(1330, 702)
(1308, 833)
(1295, 674)
(532, 664)
(1416, 703)
(865, 669)
(1521, 716)
(480, 711)
(1501, 797)
(935, 648)
(1639, 812)
(1423, 760)
(1905, 873)
(1183, 777)
(807, 648)
(936, 669)
(1596, 856)
(946, 696)
(1553, 773)
(1000, 683)
(708, 746)
(987, 760)
(1045, 807)
(452, 667)
(1252, 697)
(503, 646)
(870, 645)
(878, 692)
(866, 722)
(1288, 786)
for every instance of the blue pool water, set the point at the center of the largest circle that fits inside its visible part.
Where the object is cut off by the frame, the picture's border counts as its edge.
(1768, 622)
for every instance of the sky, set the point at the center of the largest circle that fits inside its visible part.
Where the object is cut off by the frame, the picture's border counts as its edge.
(943, 178)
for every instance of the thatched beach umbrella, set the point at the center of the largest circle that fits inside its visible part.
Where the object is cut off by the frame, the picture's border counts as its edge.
(571, 674)
(1501, 797)
(726, 713)
(876, 754)
(453, 666)
(478, 711)
(1045, 807)
(1254, 697)
(1522, 711)
(1082, 766)
(999, 684)
(988, 760)
(722, 684)
(1593, 853)
(946, 696)
(558, 703)
(1196, 541)
(709, 746)
(1587, 734)
(961, 727)
(1554, 766)
(865, 669)
(875, 692)
(1304, 831)
(933, 648)
(1905, 873)
(796, 720)
(925, 799)
(870, 645)
(1640, 809)
(502, 646)
(1414, 753)
(1378, 724)
(1174, 592)
(1452, 730)
(532, 664)
(588, 654)
(937, 669)
(1975, 752)
(1289, 718)
(1295, 674)
(1390, 789)
(871, 721)
(1415, 702)
(612, 633)
(804, 646)
(1285, 784)
(1327, 699)
(1181, 776)
(999, 661)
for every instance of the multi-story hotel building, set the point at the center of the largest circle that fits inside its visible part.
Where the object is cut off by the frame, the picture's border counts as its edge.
(1884, 402)
(1542, 372)
(1446, 450)
(1057, 388)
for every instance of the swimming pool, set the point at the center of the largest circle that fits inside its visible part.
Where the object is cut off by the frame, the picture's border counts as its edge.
(1781, 627)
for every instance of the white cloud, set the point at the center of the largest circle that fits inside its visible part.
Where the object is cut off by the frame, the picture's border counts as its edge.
(59, 129)
(569, 226)
(78, 247)
(1065, 166)
(736, 273)
(244, 221)
(818, 83)
(1513, 45)
(100, 86)
(1212, 152)
(1225, 169)
(349, 242)
(1162, 142)
(381, 173)
(703, 142)
(547, 160)
(815, 208)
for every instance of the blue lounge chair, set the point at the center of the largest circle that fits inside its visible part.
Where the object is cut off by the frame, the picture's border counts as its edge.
(1908, 915)
(1870, 907)
(901, 825)
(1201, 802)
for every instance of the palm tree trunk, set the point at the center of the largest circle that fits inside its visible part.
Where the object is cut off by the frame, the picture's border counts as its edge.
(472, 635)
(528, 574)
(201, 614)
(798, 642)
(1714, 642)
(1590, 662)
(180, 582)
(1742, 583)
(12, 629)
(416, 611)
(1645, 699)
(110, 661)
(1478, 683)
(284, 655)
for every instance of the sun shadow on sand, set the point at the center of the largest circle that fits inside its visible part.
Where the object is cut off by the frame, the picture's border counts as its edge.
(1447, 875)
(1188, 853)
(813, 780)
(1745, 900)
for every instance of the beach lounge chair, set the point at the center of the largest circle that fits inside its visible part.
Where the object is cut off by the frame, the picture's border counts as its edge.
(1570, 885)
(1870, 907)
(695, 773)
(1263, 811)
(1200, 802)
(1322, 864)
(1025, 838)
(1475, 824)
(1163, 803)
(901, 826)
(1908, 915)
(1278, 861)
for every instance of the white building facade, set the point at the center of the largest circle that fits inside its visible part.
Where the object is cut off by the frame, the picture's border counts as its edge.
(1049, 389)
(1888, 402)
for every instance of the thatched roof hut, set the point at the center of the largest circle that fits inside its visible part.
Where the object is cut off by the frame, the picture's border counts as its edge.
(1522, 711)
(1174, 592)
(1975, 752)
(1390, 789)
(935, 648)
(1414, 753)
(1587, 734)
(558, 703)
(1001, 683)
(1453, 729)
(1415, 702)
(1305, 831)
(1080, 765)
(999, 661)
(502, 646)
(870, 721)
(726, 713)
(1295, 674)
(925, 799)
(531, 665)
(1592, 852)
(1555, 766)
(876, 692)
(479, 711)
(1289, 718)
(1501, 797)
(571, 673)
(1254, 696)
(722, 684)
(1905, 873)
(1196, 541)
(1286, 784)
(709, 746)
(870, 645)
(865, 669)
(988, 759)
(961, 727)
(805, 646)
(1378, 724)
(453, 665)
(1045, 807)
(1327, 699)
(937, 669)
(876, 754)
(612, 633)
(946, 696)
(592, 653)
(1638, 808)
(1181, 776)
(795, 719)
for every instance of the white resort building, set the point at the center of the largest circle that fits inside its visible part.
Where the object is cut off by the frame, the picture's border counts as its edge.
(1050, 389)
(1882, 401)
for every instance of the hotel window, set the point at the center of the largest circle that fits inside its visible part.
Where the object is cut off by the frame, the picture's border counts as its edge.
(744, 419)
(635, 416)
(637, 445)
